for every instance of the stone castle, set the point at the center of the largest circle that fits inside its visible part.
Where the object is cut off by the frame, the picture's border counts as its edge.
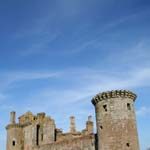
(115, 122)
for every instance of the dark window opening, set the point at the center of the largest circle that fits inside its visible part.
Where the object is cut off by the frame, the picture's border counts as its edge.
(37, 134)
(13, 143)
(128, 144)
(105, 107)
(129, 106)
(55, 134)
(101, 127)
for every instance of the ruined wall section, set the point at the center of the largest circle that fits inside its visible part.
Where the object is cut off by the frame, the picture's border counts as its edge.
(39, 131)
(82, 143)
(73, 133)
(28, 137)
(48, 131)
(32, 130)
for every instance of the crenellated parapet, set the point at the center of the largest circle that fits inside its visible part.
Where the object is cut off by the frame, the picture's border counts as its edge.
(113, 94)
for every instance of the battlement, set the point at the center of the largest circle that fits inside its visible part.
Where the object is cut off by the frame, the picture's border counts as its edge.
(113, 94)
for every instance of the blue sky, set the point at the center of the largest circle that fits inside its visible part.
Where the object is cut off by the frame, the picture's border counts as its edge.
(55, 55)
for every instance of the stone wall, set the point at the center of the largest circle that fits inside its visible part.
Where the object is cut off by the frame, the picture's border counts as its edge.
(82, 143)
(28, 137)
(14, 137)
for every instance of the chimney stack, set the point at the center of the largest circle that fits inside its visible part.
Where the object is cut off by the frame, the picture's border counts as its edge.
(13, 117)
(89, 125)
(72, 124)
(90, 118)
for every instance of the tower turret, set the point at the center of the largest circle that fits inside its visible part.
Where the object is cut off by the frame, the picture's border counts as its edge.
(14, 134)
(115, 119)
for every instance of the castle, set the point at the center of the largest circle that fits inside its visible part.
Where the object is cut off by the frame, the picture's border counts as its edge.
(115, 122)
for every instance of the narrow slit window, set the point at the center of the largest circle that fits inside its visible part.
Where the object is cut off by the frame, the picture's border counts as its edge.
(105, 107)
(101, 127)
(37, 134)
(13, 143)
(128, 106)
(42, 137)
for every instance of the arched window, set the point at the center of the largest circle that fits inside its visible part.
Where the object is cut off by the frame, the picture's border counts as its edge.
(13, 143)
(105, 107)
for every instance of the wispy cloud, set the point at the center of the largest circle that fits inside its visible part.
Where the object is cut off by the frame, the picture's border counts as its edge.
(120, 21)
(82, 47)
(95, 42)
(2, 97)
(7, 78)
(86, 85)
(39, 47)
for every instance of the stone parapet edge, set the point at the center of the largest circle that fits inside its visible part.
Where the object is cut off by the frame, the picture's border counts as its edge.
(13, 126)
(113, 94)
(17, 125)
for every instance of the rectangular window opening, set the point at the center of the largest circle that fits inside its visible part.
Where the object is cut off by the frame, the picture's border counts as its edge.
(129, 106)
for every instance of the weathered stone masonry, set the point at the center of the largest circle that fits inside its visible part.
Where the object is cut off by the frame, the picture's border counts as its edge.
(115, 122)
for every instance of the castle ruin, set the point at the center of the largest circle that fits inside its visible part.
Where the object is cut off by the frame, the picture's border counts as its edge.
(115, 123)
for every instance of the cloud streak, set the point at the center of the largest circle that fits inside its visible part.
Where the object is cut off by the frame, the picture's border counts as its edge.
(143, 111)
(8, 78)
(86, 84)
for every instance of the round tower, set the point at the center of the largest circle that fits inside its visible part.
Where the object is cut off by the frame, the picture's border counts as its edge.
(116, 121)
(14, 134)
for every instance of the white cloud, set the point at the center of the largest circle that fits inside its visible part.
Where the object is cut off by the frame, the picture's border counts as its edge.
(143, 111)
